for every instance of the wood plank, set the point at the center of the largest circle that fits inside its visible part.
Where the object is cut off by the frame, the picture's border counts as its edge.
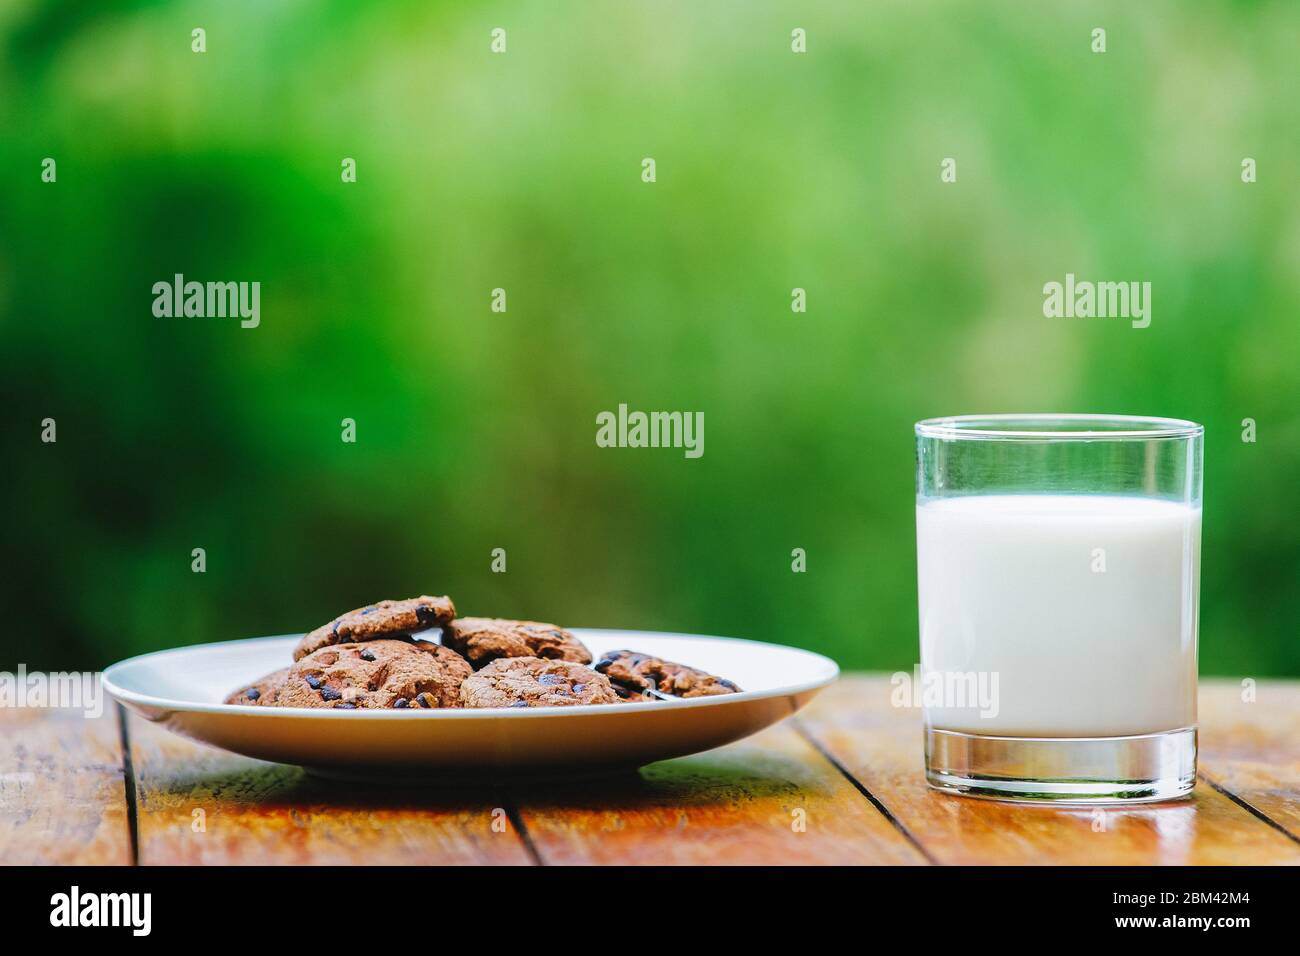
(1252, 747)
(253, 812)
(882, 747)
(771, 799)
(62, 799)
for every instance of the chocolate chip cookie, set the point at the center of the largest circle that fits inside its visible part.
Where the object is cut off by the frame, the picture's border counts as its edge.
(374, 674)
(485, 639)
(533, 682)
(639, 675)
(262, 692)
(385, 619)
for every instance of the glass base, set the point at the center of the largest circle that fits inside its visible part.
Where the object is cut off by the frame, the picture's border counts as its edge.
(1069, 770)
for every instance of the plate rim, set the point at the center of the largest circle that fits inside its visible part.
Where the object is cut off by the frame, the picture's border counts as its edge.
(133, 698)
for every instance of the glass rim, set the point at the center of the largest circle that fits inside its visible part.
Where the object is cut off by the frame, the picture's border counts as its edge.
(1057, 427)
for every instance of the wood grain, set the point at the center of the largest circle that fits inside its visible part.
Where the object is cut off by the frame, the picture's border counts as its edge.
(882, 747)
(196, 804)
(62, 799)
(778, 797)
(1250, 746)
(771, 799)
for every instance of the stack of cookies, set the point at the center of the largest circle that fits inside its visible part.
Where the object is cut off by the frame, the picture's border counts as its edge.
(386, 655)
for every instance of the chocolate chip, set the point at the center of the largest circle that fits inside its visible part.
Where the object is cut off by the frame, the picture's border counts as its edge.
(579, 688)
(550, 680)
(367, 655)
(369, 610)
(424, 700)
(329, 693)
(426, 615)
(313, 682)
(401, 702)
(345, 705)
(603, 664)
(727, 684)
(520, 703)
(252, 693)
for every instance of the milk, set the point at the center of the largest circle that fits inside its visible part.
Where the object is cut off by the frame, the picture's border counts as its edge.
(1084, 607)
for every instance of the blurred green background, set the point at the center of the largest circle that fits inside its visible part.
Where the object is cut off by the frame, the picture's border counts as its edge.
(475, 430)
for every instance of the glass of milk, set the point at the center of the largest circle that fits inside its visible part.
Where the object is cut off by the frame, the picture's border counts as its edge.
(1058, 570)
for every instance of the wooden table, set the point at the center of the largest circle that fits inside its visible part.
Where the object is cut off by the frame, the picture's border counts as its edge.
(839, 783)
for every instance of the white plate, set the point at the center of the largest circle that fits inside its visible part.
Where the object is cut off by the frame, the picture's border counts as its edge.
(182, 689)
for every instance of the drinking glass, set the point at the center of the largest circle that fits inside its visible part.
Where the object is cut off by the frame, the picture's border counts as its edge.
(1058, 571)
